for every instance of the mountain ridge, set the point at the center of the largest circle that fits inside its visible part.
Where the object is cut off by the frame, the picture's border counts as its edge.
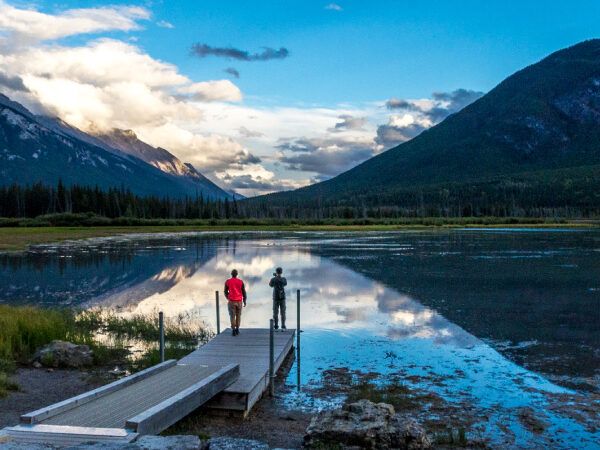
(39, 148)
(543, 117)
(127, 142)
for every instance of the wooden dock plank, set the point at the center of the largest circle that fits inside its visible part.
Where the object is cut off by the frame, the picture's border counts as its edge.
(63, 435)
(50, 411)
(251, 350)
(159, 417)
(114, 409)
(230, 372)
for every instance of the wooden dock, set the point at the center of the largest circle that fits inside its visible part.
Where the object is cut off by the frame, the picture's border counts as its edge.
(229, 373)
(251, 351)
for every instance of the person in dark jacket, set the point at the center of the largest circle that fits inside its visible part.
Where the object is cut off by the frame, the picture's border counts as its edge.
(235, 292)
(278, 284)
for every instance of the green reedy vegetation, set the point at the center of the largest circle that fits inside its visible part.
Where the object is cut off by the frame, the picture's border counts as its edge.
(25, 328)
(142, 327)
(93, 220)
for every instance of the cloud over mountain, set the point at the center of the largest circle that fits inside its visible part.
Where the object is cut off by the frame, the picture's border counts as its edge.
(14, 83)
(349, 122)
(411, 117)
(107, 83)
(100, 78)
(326, 156)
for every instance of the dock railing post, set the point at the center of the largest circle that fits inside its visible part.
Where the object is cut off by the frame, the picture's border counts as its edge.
(271, 359)
(161, 331)
(298, 336)
(218, 315)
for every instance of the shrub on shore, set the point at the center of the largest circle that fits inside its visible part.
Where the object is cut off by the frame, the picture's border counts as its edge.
(90, 219)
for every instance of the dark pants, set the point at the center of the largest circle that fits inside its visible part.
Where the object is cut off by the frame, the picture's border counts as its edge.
(279, 306)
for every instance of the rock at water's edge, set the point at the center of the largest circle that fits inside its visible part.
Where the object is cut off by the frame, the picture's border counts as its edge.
(365, 424)
(63, 354)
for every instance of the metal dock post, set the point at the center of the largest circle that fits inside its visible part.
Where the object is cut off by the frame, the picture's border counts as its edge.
(161, 330)
(271, 359)
(218, 315)
(298, 336)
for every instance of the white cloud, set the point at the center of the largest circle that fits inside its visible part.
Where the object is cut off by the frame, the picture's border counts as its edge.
(95, 84)
(164, 24)
(109, 83)
(31, 26)
(211, 91)
(334, 6)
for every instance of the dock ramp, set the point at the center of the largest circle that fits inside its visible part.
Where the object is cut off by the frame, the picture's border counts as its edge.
(144, 403)
(250, 350)
(228, 374)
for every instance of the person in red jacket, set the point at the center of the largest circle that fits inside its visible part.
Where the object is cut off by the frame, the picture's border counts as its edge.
(235, 292)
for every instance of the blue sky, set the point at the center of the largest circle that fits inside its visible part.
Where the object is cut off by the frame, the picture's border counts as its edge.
(369, 50)
(344, 61)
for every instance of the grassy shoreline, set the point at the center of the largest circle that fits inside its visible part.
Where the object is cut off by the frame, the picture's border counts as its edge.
(20, 238)
(25, 328)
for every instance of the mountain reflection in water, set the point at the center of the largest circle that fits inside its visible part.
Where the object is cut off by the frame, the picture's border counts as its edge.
(431, 301)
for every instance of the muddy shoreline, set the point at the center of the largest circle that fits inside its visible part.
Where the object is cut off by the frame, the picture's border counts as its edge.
(40, 388)
(449, 424)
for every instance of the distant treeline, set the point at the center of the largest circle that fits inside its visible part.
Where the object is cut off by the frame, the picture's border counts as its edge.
(501, 199)
(546, 194)
(39, 199)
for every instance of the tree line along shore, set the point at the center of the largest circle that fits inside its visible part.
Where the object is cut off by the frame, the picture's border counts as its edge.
(506, 201)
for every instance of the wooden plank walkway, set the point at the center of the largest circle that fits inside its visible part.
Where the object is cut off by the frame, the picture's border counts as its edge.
(250, 349)
(228, 373)
(115, 409)
(144, 403)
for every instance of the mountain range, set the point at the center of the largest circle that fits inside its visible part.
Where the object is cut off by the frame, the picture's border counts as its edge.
(537, 132)
(37, 148)
(529, 146)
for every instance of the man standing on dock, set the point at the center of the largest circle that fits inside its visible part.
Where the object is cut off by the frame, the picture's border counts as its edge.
(235, 292)
(278, 284)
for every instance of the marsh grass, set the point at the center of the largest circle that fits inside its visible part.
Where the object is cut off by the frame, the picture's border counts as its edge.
(398, 395)
(451, 437)
(7, 385)
(143, 326)
(25, 328)
(152, 356)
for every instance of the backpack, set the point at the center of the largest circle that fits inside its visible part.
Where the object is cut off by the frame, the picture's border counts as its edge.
(278, 290)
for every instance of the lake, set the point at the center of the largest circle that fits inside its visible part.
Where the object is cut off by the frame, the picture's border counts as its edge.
(495, 320)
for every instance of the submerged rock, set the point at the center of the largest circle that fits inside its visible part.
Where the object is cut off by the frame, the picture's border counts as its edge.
(177, 442)
(63, 354)
(229, 443)
(365, 424)
(183, 442)
(529, 420)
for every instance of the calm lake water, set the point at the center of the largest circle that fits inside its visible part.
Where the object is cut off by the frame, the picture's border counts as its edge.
(499, 319)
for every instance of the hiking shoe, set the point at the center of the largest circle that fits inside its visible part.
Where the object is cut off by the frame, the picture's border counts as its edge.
(233, 331)
(276, 327)
(283, 327)
(237, 331)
